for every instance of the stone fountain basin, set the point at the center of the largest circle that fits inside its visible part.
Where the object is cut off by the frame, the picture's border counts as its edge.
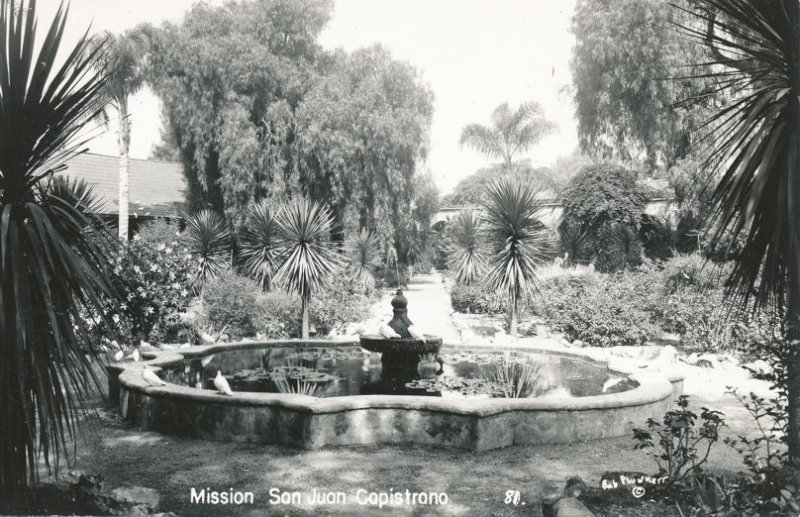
(310, 422)
(374, 343)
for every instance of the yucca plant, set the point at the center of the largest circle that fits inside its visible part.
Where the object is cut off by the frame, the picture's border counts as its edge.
(364, 258)
(258, 243)
(210, 241)
(466, 257)
(309, 256)
(576, 244)
(755, 158)
(49, 268)
(518, 241)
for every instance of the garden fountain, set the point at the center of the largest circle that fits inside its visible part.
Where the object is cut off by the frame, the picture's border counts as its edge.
(400, 357)
(350, 396)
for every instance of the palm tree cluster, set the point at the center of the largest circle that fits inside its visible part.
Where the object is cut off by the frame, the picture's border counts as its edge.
(50, 268)
(503, 244)
(288, 247)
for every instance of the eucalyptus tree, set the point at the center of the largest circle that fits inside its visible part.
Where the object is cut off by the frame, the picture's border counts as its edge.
(510, 133)
(640, 89)
(519, 241)
(51, 271)
(755, 160)
(124, 62)
(309, 258)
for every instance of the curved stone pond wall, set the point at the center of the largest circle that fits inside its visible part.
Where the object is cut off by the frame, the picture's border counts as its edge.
(311, 422)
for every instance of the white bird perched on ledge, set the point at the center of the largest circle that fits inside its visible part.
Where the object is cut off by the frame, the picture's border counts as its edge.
(135, 355)
(119, 355)
(221, 383)
(151, 377)
(388, 332)
(416, 334)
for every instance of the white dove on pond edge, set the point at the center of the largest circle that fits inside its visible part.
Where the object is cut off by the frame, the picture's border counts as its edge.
(151, 377)
(119, 356)
(135, 355)
(416, 334)
(388, 332)
(221, 383)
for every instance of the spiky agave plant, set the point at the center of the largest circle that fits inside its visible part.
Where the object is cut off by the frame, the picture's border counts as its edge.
(755, 158)
(466, 257)
(210, 241)
(49, 268)
(364, 257)
(518, 241)
(309, 257)
(258, 243)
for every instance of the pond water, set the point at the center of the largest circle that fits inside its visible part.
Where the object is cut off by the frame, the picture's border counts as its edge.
(350, 370)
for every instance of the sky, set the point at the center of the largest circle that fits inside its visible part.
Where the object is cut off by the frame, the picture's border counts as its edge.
(473, 54)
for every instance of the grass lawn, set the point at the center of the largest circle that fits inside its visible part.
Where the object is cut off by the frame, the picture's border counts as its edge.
(474, 482)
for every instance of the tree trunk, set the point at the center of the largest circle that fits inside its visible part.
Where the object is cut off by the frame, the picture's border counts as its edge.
(512, 325)
(306, 318)
(793, 201)
(124, 148)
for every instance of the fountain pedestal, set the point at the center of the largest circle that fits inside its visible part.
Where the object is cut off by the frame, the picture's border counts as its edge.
(400, 357)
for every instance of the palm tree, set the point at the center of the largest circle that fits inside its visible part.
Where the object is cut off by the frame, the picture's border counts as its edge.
(519, 242)
(755, 151)
(123, 61)
(309, 256)
(511, 132)
(466, 258)
(576, 243)
(364, 252)
(210, 241)
(258, 243)
(50, 270)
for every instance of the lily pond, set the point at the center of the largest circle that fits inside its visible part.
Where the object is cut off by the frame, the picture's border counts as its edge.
(350, 370)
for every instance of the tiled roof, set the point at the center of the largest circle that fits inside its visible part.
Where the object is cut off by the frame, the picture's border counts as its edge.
(155, 187)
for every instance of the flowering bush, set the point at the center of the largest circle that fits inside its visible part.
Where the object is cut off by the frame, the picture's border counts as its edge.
(154, 278)
(277, 316)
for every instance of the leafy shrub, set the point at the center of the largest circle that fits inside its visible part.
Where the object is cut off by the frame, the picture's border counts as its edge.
(477, 299)
(691, 271)
(337, 305)
(154, 278)
(277, 316)
(700, 319)
(229, 301)
(600, 310)
(680, 443)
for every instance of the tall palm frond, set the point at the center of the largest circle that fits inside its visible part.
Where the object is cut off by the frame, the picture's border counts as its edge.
(518, 240)
(49, 270)
(755, 158)
(511, 132)
(364, 255)
(209, 240)
(259, 243)
(309, 257)
(466, 258)
(750, 138)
